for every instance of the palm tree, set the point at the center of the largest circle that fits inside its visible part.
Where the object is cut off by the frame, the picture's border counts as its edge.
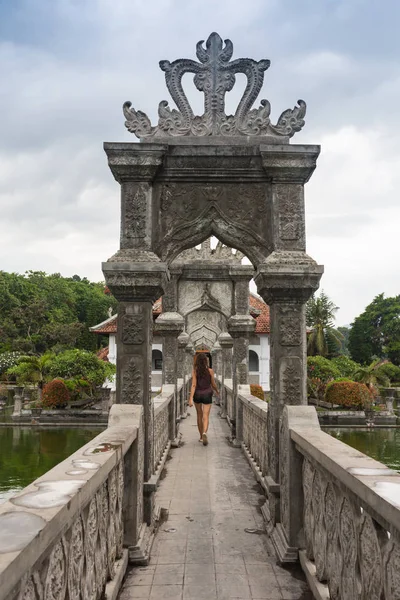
(320, 317)
(33, 369)
(371, 375)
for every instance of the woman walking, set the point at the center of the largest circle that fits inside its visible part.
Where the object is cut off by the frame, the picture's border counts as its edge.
(203, 384)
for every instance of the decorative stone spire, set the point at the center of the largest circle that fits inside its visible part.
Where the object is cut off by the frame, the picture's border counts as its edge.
(214, 75)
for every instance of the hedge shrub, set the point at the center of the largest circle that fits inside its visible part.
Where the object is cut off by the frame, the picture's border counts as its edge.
(257, 391)
(55, 394)
(391, 371)
(349, 394)
(346, 366)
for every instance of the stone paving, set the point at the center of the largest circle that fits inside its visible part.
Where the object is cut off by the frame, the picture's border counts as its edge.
(203, 550)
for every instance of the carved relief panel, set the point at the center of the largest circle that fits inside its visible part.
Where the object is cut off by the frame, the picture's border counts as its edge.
(235, 212)
(290, 225)
(135, 214)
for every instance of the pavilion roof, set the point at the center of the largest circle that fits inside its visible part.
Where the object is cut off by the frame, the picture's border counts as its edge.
(258, 309)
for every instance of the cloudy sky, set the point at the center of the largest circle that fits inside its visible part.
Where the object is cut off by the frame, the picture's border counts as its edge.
(66, 67)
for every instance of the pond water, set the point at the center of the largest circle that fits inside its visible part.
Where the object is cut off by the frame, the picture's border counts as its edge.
(26, 453)
(382, 444)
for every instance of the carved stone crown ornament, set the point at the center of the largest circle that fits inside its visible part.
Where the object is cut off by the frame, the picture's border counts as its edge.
(215, 75)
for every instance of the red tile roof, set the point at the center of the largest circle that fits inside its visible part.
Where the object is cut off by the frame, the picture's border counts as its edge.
(258, 309)
(262, 320)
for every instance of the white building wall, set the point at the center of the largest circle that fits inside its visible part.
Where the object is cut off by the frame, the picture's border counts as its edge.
(265, 356)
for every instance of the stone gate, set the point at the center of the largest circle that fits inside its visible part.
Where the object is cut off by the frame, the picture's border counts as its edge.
(235, 177)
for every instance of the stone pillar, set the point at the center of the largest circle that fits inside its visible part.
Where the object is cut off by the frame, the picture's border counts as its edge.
(285, 286)
(189, 353)
(183, 340)
(136, 277)
(226, 343)
(240, 327)
(216, 352)
(170, 325)
(285, 280)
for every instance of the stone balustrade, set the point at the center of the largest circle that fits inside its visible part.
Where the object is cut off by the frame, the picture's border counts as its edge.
(67, 534)
(162, 409)
(255, 441)
(349, 509)
(229, 404)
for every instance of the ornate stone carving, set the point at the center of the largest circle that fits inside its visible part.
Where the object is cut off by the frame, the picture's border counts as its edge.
(132, 329)
(206, 253)
(132, 384)
(284, 439)
(308, 481)
(76, 560)
(140, 476)
(135, 215)
(349, 516)
(371, 568)
(319, 525)
(111, 533)
(89, 588)
(332, 548)
(290, 331)
(215, 74)
(392, 570)
(56, 577)
(102, 570)
(291, 212)
(291, 382)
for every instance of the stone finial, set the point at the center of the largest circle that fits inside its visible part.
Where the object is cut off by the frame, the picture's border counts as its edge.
(214, 75)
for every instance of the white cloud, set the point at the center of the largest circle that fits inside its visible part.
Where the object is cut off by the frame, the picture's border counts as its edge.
(67, 66)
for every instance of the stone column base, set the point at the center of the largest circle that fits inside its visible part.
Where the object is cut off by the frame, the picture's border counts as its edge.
(140, 554)
(286, 553)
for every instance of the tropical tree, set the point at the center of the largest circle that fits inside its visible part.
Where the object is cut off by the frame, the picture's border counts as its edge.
(371, 375)
(376, 332)
(323, 338)
(33, 369)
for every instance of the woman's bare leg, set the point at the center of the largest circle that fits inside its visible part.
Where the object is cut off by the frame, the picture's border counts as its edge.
(199, 411)
(206, 416)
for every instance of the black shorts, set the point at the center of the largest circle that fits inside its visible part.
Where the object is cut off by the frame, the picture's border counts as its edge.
(203, 399)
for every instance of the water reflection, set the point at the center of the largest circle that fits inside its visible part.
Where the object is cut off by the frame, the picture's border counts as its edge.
(382, 444)
(27, 453)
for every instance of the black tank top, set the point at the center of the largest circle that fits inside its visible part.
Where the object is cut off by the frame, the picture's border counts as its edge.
(203, 385)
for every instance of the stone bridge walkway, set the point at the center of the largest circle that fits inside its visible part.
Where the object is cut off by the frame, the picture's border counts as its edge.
(203, 551)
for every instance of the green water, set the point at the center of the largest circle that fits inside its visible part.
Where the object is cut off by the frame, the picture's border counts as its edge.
(381, 444)
(26, 453)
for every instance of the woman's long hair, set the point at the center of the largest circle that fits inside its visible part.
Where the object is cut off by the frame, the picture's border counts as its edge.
(201, 365)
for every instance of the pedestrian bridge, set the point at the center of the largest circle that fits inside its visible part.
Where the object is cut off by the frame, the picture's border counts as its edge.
(220, 527)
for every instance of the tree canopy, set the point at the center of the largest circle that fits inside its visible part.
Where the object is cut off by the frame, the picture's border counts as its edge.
(376, 332)
(323, 338)
(40, 312)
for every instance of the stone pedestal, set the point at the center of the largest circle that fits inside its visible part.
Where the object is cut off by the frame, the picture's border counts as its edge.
(17, 401)
(226, 343)
(169, 326)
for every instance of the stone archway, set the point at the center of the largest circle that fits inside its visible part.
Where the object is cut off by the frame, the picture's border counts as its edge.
(233, 176)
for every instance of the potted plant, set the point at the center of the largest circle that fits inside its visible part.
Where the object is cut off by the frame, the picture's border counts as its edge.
(36, 409)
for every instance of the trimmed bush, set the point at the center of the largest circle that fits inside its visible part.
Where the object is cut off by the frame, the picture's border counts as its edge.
(321, 368)
(345, 365)
(349, 394)
(257, 391)
(391, 371)
(55, 394)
